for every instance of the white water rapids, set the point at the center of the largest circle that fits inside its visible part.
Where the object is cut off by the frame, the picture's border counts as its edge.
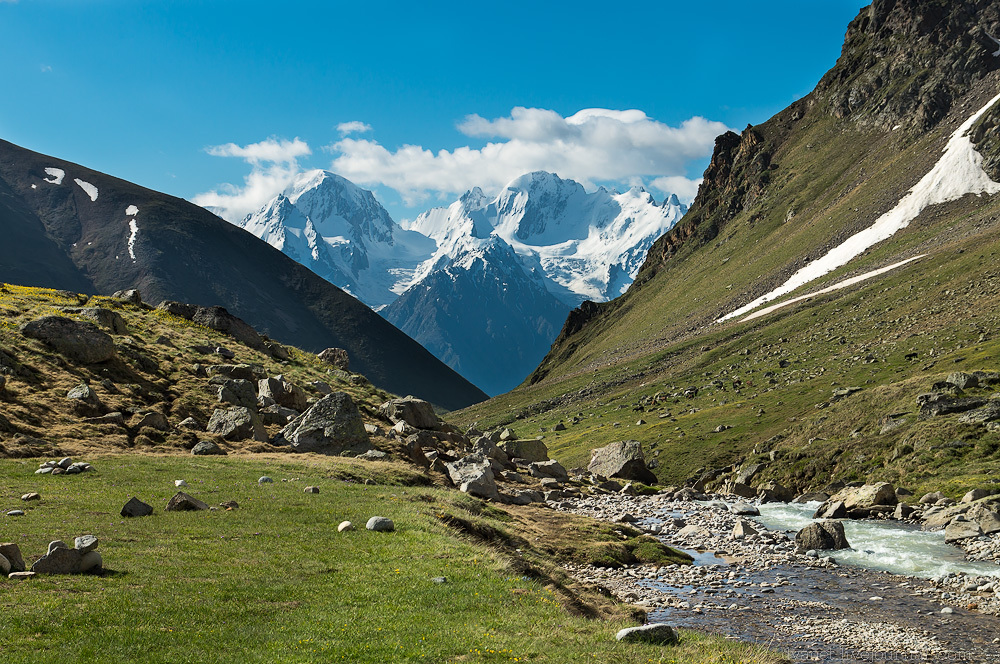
(882, 545)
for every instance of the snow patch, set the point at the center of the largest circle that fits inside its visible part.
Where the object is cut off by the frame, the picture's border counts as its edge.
(57, 175)
(957, 173)
(131, 211)
(131, 238)
(87, 187)
(34, 186)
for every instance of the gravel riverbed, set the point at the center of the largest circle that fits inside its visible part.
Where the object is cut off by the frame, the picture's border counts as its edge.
(758, 588)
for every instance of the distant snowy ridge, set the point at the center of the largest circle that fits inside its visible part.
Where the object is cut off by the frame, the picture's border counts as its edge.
(957, 173)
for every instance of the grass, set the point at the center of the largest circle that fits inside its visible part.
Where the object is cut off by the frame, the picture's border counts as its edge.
(273, 581)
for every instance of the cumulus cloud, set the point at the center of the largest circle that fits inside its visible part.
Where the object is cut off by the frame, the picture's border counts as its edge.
(274, 164)
(353, 127)
(592, 146)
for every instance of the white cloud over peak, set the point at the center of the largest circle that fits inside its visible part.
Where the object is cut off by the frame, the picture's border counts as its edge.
(591, 146)
(353, 127)
(274, 164)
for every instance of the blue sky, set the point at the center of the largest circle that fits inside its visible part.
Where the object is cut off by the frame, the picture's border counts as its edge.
(208, 98)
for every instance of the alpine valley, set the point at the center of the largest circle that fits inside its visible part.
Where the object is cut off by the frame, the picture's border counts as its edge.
(496, 275)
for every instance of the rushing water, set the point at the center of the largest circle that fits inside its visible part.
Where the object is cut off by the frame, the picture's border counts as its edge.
(882, 545)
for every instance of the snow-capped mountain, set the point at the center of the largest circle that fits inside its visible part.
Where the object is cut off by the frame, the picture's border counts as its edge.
(517, 262)
(341, 233)
(588, 246)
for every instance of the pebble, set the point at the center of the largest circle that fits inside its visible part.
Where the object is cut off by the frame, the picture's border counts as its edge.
(265, 480)
(30, 496)
(345, 525)
(380, 524)
(311, 489)
(15, 513)
(180, 483)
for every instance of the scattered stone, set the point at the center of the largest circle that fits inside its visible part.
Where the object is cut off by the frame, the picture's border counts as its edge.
(109, 320)
(15, 513)
(623, 460)
(743, 529)
(237, 392)
(548, 469)
(180, 483)
(207, 448)
(962, 380)
(264, 479)
(248, 372)
(345, 526)
(332, 425)
(311, 489)
(190, 424)
(135, 507)
(276, 414)
(974, 495)
(154, 420)
(130, 296)
(59, 560)
(229, 505)
(744, 509)
(4, 565)
(20, 576)
(931, 498)
(380, 524)
(85, 543)
(91, 560)
(182, 502)
(656, 633)
(439, 579)
(960, 530)
(83, 342)
(284, 392)
(87, 401)
(31, 496)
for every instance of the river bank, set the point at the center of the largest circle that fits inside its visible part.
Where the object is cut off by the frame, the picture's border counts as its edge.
(814, 609)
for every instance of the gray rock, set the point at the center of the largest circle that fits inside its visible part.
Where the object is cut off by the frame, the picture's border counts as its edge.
(57, 544)
(264, 479)
(974, 495)
(548, 469)
(207, 448)
(115, 418)
(247, 372)
(322, 387)
(311, 489)
(415, 412)
(88, 402)
(962, 380)
(960, 530)
(91, 561)
(275, 414)
(931, 498)
(154, 420)
(774, 492)
(238, 392)
(12, 553)
(277, 351)
(338, 357)
(748, 472)
(822, 535)
(832, 509)
(655, 633)
(373, 455)
(622, 460)
(182, 502)
(135, 507)
(474, 475)
(380, 524)
(903, 511)
(190, 424)
(131, 296)
(487, 448)
(60, 560)
(345, 526)
(987, 515)
(85, 543)
(65, 462)
(20, 576)
(284, 392)
(4, 565)
(332, 425)
(31, 496)
(83, 342)
(744, 509)
(741, 490)
(743, 529)
(105, 318)
(868, 495)
(237, 423)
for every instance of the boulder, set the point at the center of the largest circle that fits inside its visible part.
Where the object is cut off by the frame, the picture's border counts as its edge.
(832, 509)
(773, 492)
(487, 448)
(903, 511)
(474, 475)
(623, 460)
(207, 448)
(275, 414)
(105, 318)
(284, 392)
(744, 509)
(238, 392)
(867, 495)
(154, 420)
(415, 412)
(743, 529)
(130, 296)
(79, 341)
(332, 425)
(12, 553)
(550, 468)
(86, 401)
(338, 357)
(220, 320)
(182, 502)
(961, 529)
(237, 423)
(974, 495)
(816, 496)
(59, 560)
(748, 472)
(380, 524)
(529, 450)
(91, 560)
(740, 489)
(931, 498)
(936, 404)
(249, 372)
(962, 380)
(135, 507)
(655, 633)
(987, 515)
(822, 535)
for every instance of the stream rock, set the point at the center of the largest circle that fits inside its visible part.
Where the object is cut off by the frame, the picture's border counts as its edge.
(822, 535)
(622, 460)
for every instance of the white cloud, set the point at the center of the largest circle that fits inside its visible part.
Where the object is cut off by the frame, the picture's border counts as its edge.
(274, 165)
(593, 146)
(45, 68)
(353, 127)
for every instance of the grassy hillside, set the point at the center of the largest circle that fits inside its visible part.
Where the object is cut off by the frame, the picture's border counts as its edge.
(893, 336)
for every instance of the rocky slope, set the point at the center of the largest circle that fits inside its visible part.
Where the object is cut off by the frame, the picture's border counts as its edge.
(74, 228)
(827, 387)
